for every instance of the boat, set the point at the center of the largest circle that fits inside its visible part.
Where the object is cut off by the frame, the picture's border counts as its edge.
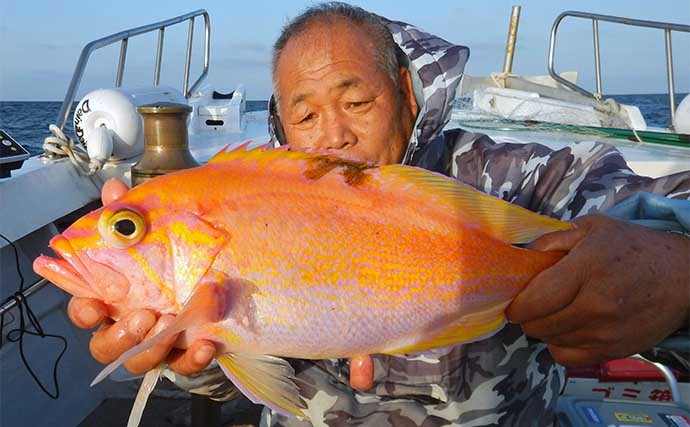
(553, 110)
(72, 185)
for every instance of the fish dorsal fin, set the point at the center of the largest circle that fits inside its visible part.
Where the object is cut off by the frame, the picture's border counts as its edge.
(498, 218)
(267, 380)
(230, 152)
(205, 305)
(283, 153)
(469, 328)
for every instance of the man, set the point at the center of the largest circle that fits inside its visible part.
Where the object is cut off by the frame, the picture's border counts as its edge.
(343, 86)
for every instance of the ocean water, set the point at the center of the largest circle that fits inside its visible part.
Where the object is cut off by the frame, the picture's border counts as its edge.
(27, 122)
(654, 108)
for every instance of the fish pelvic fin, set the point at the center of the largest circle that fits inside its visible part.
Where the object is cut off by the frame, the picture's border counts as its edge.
(205, 305)
(469, 328)
(502, 220)
(267, 380)
(147, 386)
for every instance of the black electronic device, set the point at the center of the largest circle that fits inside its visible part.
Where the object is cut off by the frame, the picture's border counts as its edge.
(12, 155)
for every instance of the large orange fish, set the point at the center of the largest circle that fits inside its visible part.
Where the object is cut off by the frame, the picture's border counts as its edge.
(278, 253)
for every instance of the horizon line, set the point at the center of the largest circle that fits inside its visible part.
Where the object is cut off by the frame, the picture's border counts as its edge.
(266, 100)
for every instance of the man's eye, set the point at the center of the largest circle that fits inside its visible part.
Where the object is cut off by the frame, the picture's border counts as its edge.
(357, 104)
(307, 118)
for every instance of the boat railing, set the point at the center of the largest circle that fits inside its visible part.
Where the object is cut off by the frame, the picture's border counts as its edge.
(667, 27)
(123, 37)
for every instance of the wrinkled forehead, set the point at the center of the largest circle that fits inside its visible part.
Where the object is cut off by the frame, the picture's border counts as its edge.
(328, 39)
(341, 51)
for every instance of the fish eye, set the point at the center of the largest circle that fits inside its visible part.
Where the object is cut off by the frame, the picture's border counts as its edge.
(123, 228)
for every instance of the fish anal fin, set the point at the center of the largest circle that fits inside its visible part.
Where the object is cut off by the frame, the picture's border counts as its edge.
(267, 380)
(469, 328)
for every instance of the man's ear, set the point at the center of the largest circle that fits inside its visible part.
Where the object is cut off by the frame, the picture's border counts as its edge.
(407, 92)
(410, 109)
(274, 121)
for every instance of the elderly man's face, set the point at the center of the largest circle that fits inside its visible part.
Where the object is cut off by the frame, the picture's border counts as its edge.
(333, 96)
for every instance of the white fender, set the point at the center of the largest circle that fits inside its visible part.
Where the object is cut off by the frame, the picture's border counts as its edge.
(115, 110)
(681, 120)
(100, 146)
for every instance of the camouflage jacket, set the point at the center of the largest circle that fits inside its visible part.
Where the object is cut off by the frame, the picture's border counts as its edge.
(505, 380)
(508, 379)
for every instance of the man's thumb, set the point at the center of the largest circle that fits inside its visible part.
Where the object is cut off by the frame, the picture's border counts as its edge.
(559, 240)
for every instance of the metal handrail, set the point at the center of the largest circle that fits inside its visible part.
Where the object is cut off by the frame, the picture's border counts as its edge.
(667, 27)
(124, 37)
(11, 302)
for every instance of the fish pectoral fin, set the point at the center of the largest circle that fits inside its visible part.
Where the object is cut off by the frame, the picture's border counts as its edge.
(469, 328)
(205, 305)
(267, 380)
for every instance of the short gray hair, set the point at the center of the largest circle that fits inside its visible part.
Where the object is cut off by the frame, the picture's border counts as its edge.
(387, 53)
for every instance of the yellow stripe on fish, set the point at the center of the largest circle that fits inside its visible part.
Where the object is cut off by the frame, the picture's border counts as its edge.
(290, 254)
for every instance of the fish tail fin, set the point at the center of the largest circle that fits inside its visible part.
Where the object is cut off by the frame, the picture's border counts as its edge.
(205, 305)
(147, 386)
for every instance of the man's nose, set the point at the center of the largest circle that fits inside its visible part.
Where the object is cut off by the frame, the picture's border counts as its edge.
(337, 133)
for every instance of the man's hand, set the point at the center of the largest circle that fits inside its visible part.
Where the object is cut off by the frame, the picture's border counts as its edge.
(621, 289)
(113, 339)
(362, 372)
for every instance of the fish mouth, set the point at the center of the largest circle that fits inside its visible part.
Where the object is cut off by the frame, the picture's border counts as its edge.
(65, 271)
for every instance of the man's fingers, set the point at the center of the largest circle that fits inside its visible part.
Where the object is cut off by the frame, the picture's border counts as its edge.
(111, 340)
(554, 288)
(194, 359)
(559, 240)
(576, 357)
(113, 189)
(149, 359)
(550, 291)
(361, 373)
(86, 313)
(560, 328)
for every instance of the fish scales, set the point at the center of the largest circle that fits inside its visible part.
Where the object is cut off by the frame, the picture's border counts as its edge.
(306, 256)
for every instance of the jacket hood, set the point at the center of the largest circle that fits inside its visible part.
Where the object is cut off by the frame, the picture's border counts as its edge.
(436, 67)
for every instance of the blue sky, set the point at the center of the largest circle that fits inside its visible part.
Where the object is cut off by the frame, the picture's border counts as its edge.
(40, 41)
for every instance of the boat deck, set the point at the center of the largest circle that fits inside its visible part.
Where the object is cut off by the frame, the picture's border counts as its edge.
(170, 407)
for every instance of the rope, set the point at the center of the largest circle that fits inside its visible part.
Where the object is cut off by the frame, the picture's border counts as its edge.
(500, 78)
(61, 145)
(609, 106)
(17, 335)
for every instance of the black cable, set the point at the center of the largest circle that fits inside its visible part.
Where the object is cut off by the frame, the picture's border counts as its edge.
(17, 335)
